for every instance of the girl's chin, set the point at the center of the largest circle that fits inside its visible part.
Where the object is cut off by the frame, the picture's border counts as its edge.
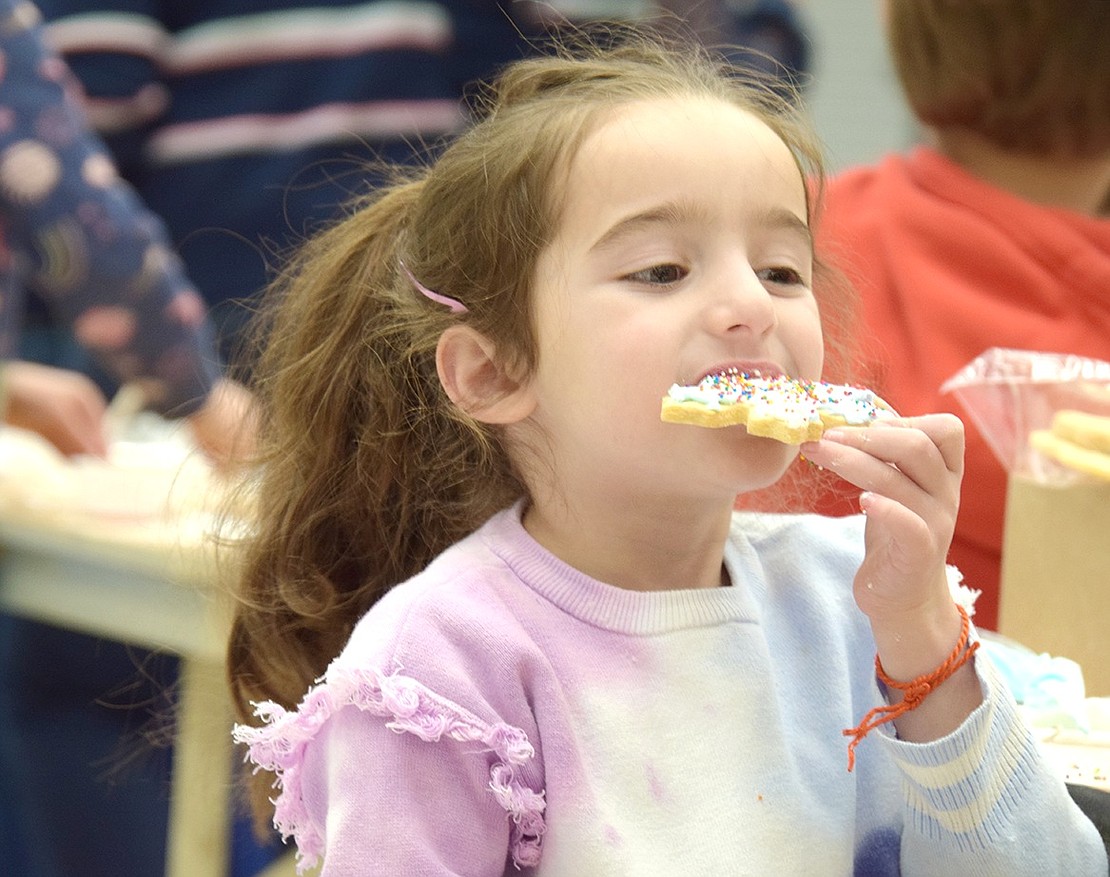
(763, 462)
(731, 458)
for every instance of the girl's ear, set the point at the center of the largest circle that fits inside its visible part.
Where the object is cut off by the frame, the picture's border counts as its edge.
(476, 382)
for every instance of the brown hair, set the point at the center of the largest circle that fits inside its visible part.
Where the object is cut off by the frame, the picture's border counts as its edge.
(1028, 75)
(366, 470)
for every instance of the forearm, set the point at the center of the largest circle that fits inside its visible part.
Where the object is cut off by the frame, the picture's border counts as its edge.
(102, 260)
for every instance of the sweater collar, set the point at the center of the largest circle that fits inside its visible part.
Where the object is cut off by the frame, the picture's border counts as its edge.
(621, 610)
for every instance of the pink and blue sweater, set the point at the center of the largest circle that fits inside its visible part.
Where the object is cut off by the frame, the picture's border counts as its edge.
(502, 712)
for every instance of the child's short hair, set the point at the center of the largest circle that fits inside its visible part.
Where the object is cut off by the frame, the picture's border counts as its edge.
(1029, 75)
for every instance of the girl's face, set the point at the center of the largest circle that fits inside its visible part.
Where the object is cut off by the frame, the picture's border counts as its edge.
(682, 249)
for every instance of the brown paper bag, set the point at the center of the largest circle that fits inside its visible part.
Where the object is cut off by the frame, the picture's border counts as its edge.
(1056, 573)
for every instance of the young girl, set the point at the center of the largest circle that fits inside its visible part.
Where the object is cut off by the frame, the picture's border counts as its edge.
(559, 650)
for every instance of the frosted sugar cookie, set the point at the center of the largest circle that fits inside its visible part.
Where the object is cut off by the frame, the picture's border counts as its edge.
(781, 408)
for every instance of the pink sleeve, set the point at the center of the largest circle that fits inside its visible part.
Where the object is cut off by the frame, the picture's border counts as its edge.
(378, 774)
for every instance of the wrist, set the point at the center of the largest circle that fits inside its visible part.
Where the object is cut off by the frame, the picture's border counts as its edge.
(915, 643)
(949, 685)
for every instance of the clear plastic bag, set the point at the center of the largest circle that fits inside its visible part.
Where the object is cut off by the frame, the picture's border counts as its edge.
(1012, 394)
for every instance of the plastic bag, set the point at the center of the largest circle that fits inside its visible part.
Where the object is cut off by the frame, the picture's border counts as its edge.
(1013, 395)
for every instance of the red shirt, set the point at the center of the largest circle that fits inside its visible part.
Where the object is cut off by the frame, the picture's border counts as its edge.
(948, 266)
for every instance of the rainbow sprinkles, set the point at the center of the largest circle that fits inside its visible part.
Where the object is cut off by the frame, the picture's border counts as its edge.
(779, 407)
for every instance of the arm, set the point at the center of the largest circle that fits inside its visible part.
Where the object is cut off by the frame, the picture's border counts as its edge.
(984, 801)
(979, 797)
(101, 260)
(379, 774)
(910, 471)
(397, 804)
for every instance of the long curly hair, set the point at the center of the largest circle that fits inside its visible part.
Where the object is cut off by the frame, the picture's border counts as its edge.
(366, 471)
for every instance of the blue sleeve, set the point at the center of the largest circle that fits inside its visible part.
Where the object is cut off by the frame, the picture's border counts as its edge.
(983, 800)
(81, 237)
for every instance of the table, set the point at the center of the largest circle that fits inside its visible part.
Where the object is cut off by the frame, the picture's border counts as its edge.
(158, 597)
(121, 548)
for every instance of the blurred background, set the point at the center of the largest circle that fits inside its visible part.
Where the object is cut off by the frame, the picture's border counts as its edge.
(854, 96)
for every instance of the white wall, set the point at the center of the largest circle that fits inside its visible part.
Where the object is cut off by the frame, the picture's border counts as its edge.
(854, 95)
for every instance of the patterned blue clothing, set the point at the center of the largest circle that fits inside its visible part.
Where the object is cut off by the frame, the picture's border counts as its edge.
(72, 230)
(81, 790)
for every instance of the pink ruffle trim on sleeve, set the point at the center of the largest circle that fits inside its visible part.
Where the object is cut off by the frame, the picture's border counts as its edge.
(278, 746)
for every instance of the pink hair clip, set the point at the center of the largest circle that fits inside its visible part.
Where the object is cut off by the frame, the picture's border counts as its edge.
(453, 304)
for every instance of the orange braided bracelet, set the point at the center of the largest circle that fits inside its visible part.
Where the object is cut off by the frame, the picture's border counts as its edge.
(913, 692)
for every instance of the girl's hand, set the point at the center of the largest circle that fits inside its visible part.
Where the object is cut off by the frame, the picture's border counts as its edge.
(910, 471)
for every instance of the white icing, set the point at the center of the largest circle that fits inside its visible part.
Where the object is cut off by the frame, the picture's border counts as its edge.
(795, 402)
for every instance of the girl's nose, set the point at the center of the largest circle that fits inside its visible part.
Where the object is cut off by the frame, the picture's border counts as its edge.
(741, 303)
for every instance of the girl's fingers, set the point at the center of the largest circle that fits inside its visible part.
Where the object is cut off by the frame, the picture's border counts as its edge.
(896, 458)
(945, 433)
(909, 470)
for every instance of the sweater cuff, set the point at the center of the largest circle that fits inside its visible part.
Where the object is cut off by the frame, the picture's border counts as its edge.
(970, 781)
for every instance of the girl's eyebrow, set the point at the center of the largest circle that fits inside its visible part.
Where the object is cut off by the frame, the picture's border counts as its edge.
(672, 213)
(781, 219)
(675, 213)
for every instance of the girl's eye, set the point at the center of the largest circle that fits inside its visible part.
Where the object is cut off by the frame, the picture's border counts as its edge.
(659, 275)
(781, 276)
